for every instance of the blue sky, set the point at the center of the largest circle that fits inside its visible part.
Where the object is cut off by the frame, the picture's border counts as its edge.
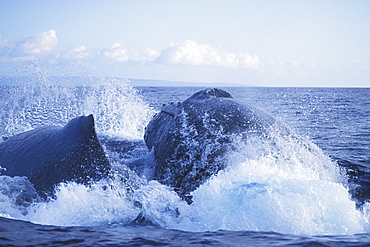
(261, 43)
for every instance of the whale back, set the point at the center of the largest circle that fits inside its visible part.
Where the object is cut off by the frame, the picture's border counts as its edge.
(50, 155)
(191, 139)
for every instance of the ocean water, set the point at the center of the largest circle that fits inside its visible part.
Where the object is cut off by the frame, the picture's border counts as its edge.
(311, 190)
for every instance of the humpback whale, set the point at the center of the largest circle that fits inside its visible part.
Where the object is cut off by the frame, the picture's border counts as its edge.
(188, 143)
(190, 140)
(50, 155)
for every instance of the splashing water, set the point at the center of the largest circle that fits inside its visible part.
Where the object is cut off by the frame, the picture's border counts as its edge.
(79, 205)
(117, 107)
(282, 185)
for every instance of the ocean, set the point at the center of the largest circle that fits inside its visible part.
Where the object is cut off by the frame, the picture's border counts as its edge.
(310, 192)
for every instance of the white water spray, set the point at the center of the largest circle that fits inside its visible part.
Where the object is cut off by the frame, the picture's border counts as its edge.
(118, 108)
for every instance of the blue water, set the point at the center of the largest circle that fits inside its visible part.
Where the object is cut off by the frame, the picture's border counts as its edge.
(285, 193)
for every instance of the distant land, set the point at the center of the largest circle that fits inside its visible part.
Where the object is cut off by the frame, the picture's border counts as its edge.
(164, 83)
(86, 81)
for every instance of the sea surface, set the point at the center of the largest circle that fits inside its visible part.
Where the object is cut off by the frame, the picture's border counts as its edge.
(311, 192)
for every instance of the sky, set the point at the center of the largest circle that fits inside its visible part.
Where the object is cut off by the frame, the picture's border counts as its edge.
(260, 43)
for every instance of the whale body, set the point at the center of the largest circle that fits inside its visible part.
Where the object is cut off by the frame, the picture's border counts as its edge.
(190, 140)
(53, 154)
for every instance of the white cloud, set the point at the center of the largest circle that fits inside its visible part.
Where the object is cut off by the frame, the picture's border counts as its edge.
(192, 53)
(187, 53)
(40, 43)
(78, 52)
(28, 48)
(149, 54)
(119, 53)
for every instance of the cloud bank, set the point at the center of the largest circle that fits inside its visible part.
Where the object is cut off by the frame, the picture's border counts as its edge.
(188, 53)
(191, 53)
(30, 47)
(185, 61)
(120, 53)
(40, 43)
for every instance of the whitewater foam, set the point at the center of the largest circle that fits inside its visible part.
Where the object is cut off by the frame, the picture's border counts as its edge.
(79, 205)
(237, 200)
(283, 185)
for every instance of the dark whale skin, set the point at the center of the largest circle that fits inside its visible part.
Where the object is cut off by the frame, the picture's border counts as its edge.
(50, 155)
(191, 139)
